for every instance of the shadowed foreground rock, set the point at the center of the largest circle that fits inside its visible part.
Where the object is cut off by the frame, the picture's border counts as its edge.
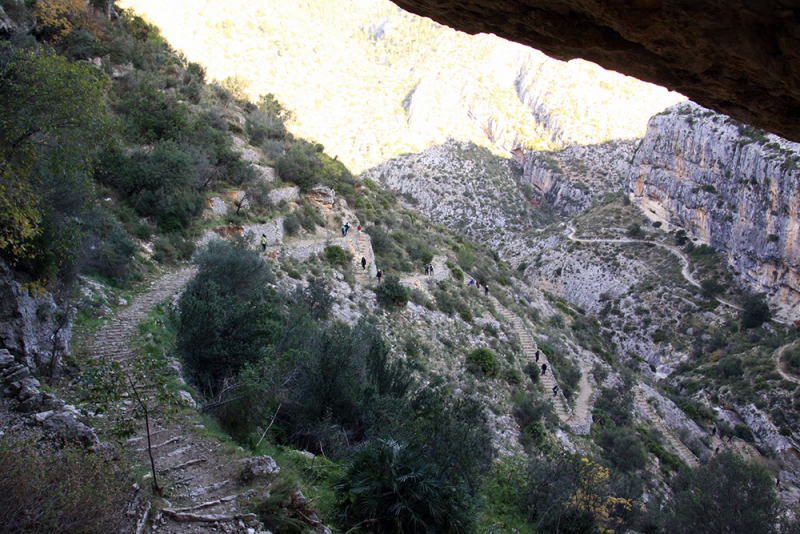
(741, 58)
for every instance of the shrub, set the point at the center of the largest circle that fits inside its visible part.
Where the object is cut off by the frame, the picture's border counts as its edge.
(337, 255)
(755, 312)
(458, 274)
(623, 449)
(300, 164)
(512, 376)
(44, 489)
(483, 360)
(291, 225)
(394, 488)
(726, 495)
(744, 432)
(391, 293)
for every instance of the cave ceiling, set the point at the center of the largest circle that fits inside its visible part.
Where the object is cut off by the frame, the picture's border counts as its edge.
(741, 58)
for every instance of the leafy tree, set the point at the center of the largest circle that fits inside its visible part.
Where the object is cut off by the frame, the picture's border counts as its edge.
(316, 297)
(52, 116)
(391, 293)
(228, 314)
(623, 449)
(727, 495)
(755, 312)
(391, 487)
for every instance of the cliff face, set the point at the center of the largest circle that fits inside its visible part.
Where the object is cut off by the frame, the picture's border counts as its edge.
(728, 185)
(572, 179)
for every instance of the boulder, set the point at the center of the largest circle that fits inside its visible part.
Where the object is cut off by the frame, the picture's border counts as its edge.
(260, 467)
(322, 195)
(64, 425)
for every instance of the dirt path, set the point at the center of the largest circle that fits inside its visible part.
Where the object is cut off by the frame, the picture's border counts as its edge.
(777, 357)
(685, 266)
(202, 488)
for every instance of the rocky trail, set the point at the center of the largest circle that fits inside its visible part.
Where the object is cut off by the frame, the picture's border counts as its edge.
(201, 479)
(685, 266)
(777, 357)
(683, 452)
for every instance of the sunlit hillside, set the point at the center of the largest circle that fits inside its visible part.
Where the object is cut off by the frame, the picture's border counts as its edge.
(371, 81)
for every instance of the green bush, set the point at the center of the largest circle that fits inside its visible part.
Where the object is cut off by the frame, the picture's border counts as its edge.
(623, 449)
(755, 312)
(336, 255)
(291, 225)
(484, 361)
(395, 488)
(300, 165)
(44, 489)
(391, 293)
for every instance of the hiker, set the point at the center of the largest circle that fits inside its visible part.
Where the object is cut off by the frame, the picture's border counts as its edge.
(380, 273)
(537, 355)
(431, 266)
(544, 368)
(346, 228)
(263, 242)
(359, 228)
(485, 290)
(427, 270)
(472, 282)
(363, 263)
(716, 451)
(344, 232)
(555, 391)
(714, 431)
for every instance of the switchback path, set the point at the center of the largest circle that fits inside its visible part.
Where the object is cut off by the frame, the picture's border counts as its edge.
(685, 266)
(777, 357)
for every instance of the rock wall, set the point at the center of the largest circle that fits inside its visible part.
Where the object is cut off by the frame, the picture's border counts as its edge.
(571, 179)
(729, 185)
(32, 326)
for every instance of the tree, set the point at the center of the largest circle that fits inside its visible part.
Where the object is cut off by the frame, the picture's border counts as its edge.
(572, 495)
(391, 293)
(52, 119)
(755, 311)
(726, 496)
(393, 488)
(229, 316)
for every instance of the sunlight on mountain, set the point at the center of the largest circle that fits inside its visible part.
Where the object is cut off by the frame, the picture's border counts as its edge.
(370, 81)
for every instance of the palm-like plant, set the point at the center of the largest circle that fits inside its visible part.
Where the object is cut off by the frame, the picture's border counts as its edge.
(390, 488)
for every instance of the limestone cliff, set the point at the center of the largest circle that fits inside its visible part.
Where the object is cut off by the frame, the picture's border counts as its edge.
(572, 179)
(728, 185)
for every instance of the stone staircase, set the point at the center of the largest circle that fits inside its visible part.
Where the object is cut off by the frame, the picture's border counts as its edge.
(683, 452)
(529, 351)
(205, 491)
(360, 248)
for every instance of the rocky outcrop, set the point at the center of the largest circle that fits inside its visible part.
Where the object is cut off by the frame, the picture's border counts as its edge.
(728, 185)
(739, 58)
(32, 327)
(571, 179)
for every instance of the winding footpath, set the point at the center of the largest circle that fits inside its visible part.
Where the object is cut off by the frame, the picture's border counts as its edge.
(685, 266)
(203, 489)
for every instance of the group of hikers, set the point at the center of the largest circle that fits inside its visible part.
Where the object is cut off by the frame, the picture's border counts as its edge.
(346, 227)
(429, 272)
